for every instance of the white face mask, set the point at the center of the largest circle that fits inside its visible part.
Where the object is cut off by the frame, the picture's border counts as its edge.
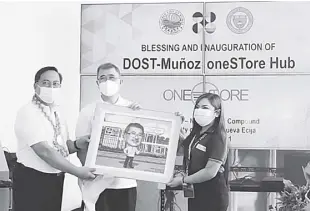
(109, 88)
(57, 96)
(50, 95)
(204, 116)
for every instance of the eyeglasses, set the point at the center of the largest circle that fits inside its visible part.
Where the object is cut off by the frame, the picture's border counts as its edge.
(139, 135)
(104, 78)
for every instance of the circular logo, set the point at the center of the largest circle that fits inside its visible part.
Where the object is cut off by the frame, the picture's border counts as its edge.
(171, 22)
(200, 22)
(210, 26)
(239, 20)
(197, 90)
(204, 22)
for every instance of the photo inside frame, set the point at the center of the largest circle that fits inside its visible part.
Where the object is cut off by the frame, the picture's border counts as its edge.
(137, 143)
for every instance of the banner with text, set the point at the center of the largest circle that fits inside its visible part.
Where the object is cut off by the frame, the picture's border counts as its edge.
(261, 112)
(241, 39)
(141, 38)
(170, 38)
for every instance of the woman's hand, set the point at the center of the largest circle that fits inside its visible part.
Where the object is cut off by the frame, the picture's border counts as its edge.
(175, 182)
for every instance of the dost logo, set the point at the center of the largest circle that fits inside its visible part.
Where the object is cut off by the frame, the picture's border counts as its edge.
(171, 22)
(230, 94)
(204, 22)
(198, 90)
(239, 20)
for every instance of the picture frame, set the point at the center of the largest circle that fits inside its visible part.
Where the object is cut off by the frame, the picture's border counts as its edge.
(134, 144)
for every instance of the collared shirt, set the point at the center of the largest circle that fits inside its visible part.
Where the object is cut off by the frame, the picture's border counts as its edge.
(84, 127)
(32, 127)
(131, 151)
(203, 148)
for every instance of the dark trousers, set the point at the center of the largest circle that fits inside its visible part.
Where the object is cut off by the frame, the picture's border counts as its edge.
(212, 195)
(117, 200)
(128, 162)
(36, 191)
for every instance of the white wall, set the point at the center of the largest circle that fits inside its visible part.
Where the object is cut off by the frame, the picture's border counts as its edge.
(34, 35)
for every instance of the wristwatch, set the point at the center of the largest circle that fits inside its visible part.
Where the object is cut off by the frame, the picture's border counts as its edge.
(183, 183)
(75, 145)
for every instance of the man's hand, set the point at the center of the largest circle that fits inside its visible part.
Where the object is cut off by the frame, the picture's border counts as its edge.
(180, 115)
(134, 106)
(83, 142)
(183, 133)
(85, 173)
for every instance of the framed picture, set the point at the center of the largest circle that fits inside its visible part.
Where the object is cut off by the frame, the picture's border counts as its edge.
(139, 144)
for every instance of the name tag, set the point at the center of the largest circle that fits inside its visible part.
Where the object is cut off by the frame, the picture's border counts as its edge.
(201, 147)
(188, 190)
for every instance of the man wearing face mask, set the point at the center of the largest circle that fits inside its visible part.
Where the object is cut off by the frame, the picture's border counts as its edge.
(113, 194)
(43, 147)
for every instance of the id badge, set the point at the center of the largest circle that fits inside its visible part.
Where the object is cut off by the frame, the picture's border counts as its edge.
(188, 190)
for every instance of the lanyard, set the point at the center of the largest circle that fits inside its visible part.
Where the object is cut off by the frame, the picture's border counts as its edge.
(190, 147)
